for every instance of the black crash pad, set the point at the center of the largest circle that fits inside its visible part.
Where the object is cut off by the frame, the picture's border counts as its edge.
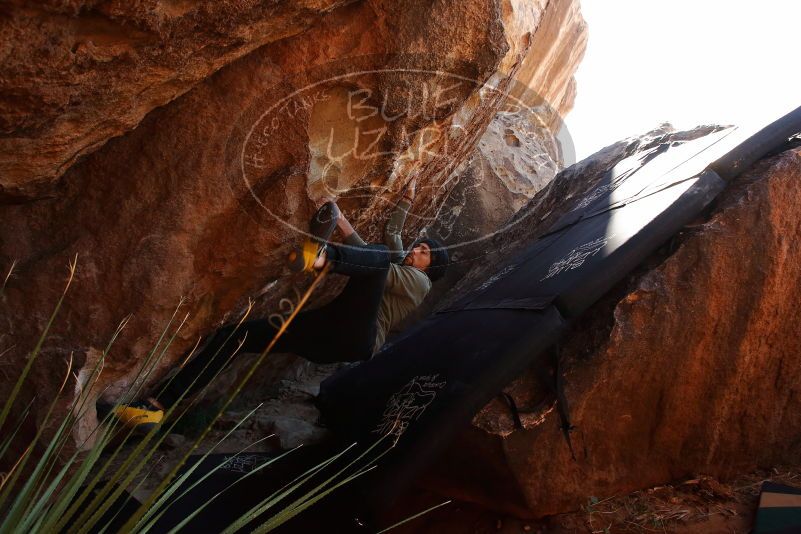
(575, 266)
(779, 510)
(223, 474)
(424, 387)
(229, 485)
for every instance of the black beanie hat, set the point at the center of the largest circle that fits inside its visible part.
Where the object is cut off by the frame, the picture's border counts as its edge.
(439, 258)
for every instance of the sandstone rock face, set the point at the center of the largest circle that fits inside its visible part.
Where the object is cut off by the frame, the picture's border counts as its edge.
(690, 366)
(516, 157)
(560, 40)
(521, 154)
(77, 73)
(200, 200)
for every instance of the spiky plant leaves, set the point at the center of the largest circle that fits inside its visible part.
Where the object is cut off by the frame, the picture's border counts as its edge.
(51, 503)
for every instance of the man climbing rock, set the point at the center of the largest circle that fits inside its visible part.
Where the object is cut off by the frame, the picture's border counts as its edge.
(385, 285)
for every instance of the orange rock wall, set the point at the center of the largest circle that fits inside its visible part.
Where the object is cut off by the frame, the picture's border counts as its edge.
(691, 366)
(134, 135)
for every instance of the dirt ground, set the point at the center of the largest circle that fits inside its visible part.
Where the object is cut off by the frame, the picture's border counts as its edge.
(698, 505)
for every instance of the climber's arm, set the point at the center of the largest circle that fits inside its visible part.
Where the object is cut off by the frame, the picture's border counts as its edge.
(349, 235)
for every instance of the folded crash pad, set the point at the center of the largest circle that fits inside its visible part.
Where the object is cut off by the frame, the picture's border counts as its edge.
(426, 386)
(421, 389)
(224, 487)
(575, 266)
(221, 479)
(779, 510)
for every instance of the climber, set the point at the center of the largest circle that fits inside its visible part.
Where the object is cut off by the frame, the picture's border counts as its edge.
(384, 286)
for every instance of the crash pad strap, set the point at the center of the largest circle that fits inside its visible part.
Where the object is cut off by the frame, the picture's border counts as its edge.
(510, 401)
(556, 385)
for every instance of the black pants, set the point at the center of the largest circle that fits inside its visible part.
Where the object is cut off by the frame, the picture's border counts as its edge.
(343, 330)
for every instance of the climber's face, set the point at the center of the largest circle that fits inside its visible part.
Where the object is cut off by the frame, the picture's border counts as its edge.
(419, 256)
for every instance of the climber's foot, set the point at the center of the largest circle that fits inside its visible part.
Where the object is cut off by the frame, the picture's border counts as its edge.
(310, 256)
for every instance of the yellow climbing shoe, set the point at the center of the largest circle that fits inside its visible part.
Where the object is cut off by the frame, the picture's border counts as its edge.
(139, 415)
(302, 259)
(322, 225)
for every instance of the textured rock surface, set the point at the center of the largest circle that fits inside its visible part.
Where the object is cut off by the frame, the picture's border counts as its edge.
(689, 366)
(515, 158)
(200, 200)
(78, 73)
(521, 154)
(700, 505)
(560, 40)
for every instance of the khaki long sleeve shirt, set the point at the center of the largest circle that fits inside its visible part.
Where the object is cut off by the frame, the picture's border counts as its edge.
(406, 286)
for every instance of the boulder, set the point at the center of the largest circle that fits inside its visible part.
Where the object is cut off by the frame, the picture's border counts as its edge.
(177, 150)
(689, 366)
(76, 74)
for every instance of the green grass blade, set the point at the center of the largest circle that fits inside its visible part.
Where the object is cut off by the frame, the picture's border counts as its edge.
(187, 519)
(7, 278)
(132, 492)
(43, 498)
(415, 516)
(281, 493)
(136, 516)
(10, 439)
(148, 369)
(102, 500)
(23, 498)
(68, 492)
(303, 503)
(173, 487)
(40, 514)
(72, 416)
(137, 467)
(320, 490)
(32, 358)
(112, 422)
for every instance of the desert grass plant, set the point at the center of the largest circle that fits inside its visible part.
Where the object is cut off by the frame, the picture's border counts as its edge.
(63, 491)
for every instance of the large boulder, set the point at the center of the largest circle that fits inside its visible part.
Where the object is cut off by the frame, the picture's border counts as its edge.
(200, 200)
(690, 365)
(78, 73)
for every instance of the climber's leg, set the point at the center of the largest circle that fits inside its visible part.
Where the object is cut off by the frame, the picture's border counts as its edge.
(216, 352)
(348, 323)
(342, 330)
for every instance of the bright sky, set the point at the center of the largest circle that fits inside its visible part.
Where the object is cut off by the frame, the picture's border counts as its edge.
(686, 62)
